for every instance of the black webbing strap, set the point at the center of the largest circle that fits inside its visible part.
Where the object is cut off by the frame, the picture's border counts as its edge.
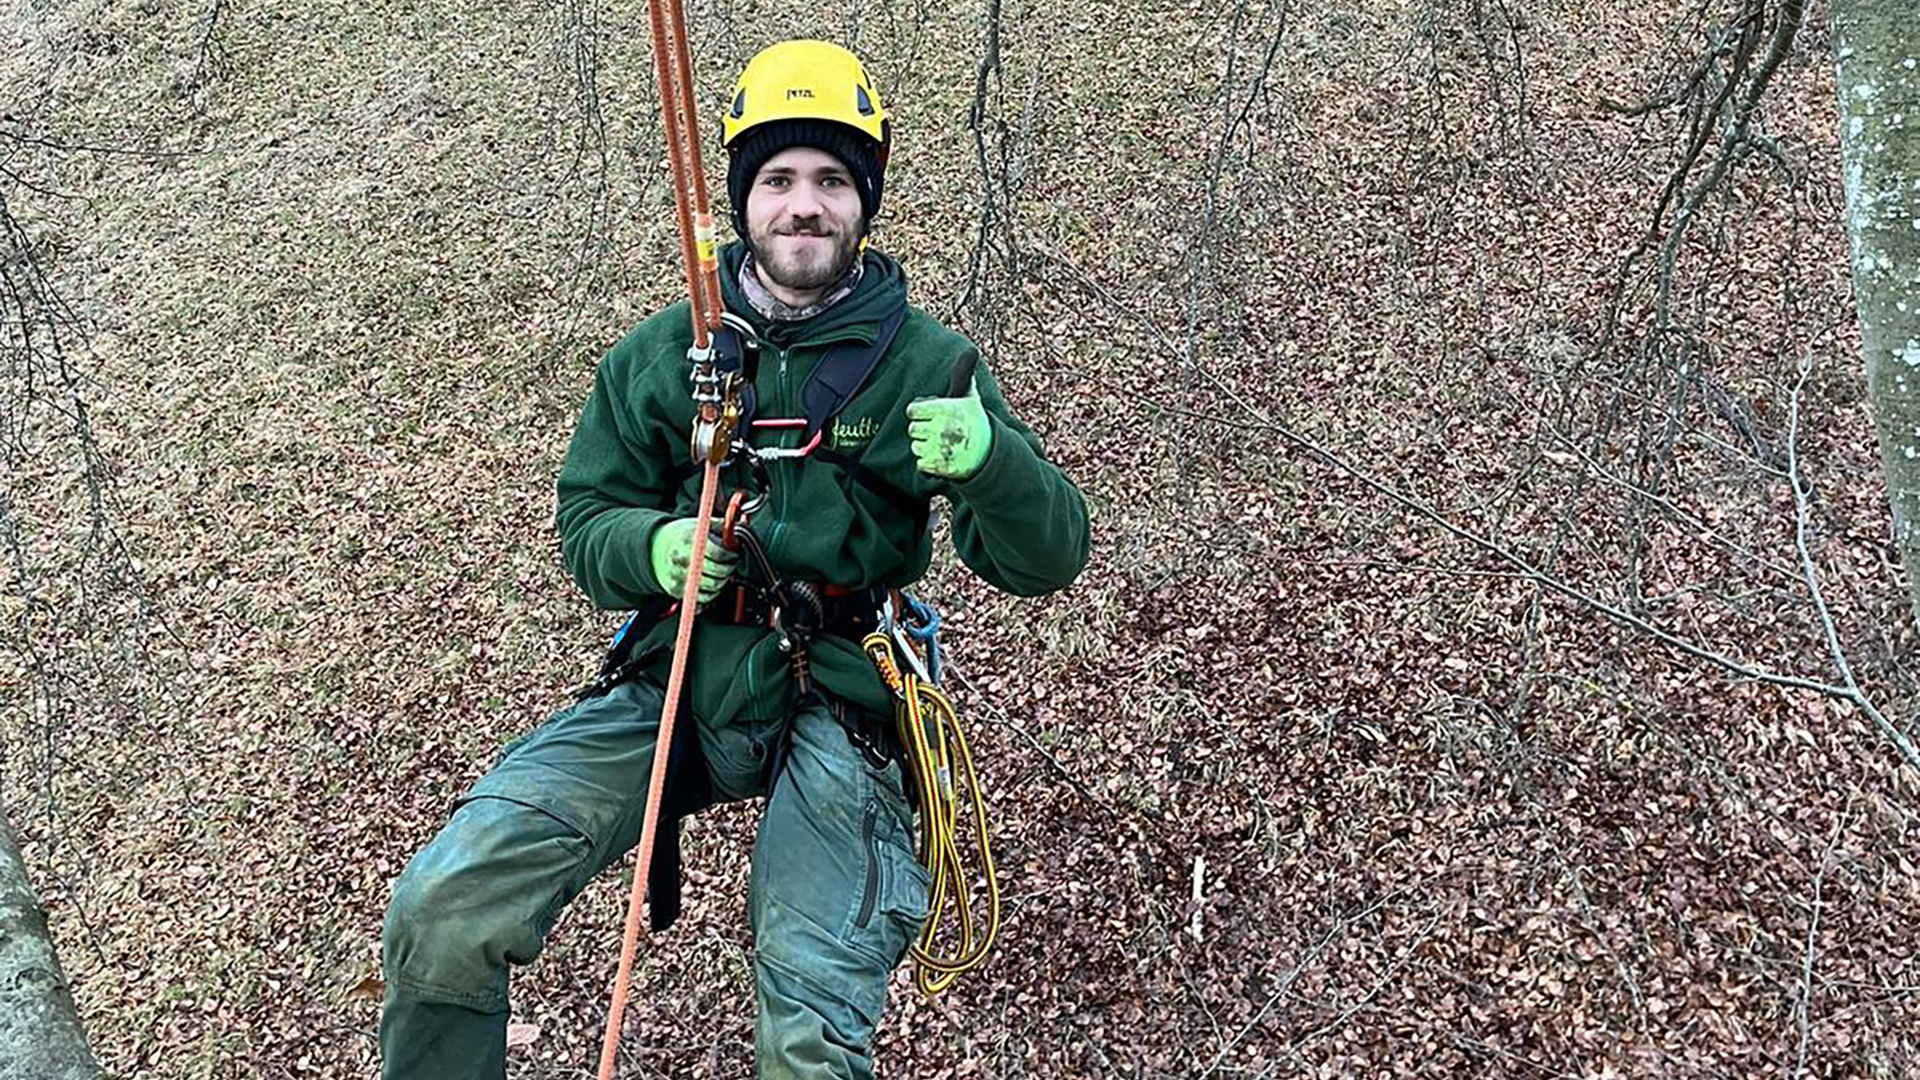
(842, 372)
(735, 350)
(874, 482)
(687, 792)
(828, 387)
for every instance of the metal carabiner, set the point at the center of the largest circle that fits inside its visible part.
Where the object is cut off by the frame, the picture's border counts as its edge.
(894, 627)
(740, 511)
(775, 453)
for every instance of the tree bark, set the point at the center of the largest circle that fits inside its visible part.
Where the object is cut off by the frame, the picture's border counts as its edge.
(1877, 66)
(40, 1033)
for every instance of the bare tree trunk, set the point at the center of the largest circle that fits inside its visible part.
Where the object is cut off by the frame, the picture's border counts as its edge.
(1877, 46)
(40, 1033)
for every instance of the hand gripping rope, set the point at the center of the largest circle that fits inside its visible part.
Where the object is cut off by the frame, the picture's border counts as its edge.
(716, 401)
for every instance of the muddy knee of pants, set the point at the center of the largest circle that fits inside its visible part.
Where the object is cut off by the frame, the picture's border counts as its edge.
(837, 894)
(481, 895)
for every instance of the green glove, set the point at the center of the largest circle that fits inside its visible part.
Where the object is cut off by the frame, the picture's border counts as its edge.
(950, 435)
(673, 553)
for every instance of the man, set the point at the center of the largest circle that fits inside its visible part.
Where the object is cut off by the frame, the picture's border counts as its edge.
(836, 893)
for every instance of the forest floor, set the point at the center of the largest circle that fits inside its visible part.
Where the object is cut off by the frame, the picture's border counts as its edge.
(1293, 781)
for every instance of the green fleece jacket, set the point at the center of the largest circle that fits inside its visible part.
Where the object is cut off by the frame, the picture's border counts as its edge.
(1018, 522)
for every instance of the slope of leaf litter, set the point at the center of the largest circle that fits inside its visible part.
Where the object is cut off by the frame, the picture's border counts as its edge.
(341, 343)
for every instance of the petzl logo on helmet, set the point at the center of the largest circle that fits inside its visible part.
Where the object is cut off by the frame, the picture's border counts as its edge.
(801, 92)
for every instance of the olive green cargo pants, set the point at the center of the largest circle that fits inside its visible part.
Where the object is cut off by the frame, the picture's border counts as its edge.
(835, 894)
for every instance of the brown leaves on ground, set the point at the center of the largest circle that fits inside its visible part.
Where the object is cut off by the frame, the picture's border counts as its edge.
(1450, 827)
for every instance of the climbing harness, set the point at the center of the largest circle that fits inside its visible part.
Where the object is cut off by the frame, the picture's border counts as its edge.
(939, 770)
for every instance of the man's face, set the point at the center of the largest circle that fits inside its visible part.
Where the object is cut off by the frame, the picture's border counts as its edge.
(803, 220)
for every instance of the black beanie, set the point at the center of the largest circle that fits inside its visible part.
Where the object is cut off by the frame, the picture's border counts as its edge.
(858, 153)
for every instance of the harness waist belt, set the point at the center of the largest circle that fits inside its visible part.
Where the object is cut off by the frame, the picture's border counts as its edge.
(848, 613)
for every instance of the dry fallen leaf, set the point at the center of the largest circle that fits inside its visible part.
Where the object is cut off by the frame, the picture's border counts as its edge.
(364, 584)
(519, 1035)
(371, 988)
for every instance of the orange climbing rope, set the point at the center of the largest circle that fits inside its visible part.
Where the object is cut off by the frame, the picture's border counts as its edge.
(697, 238)
(711, 434)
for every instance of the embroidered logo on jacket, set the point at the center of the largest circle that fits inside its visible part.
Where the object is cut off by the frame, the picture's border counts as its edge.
(847, 436)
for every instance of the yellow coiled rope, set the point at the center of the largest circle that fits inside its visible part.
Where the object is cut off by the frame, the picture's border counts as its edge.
(934, 747)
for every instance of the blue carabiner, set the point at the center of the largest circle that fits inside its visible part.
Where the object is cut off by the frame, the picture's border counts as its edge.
(923, 624)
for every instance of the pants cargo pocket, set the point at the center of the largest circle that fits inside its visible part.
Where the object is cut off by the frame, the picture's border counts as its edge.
(836, 897)
(558, 859)
(894, 886)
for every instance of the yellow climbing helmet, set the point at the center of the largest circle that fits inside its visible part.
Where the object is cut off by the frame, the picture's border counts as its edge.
(803, 80)
(805, 93)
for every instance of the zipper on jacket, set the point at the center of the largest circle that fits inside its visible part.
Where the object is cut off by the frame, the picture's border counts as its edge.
(752, 694)
(873, 868)
(780, 467)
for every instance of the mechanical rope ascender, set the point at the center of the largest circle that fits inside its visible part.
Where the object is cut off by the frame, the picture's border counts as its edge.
(934, 756)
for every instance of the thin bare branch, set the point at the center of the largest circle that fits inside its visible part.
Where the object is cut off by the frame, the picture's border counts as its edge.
(1849, 690)
(1803, 998)
(1553, 584)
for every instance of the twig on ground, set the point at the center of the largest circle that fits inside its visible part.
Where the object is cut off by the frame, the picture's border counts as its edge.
(1802, 999)
(1201, 247)
(1846, 691)
(1366, 999)
(1526, 569)
(579, 49)
(1697, 526)
(212, 59)
(1293, 974)
(984, 71)
(1066, 774)
(1849, 690)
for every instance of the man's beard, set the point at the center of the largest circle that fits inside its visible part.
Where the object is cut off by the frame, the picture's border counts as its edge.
(801, 274)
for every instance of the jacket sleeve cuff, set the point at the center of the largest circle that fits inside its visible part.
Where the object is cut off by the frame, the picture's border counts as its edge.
(643, 558)
(1009, 465)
